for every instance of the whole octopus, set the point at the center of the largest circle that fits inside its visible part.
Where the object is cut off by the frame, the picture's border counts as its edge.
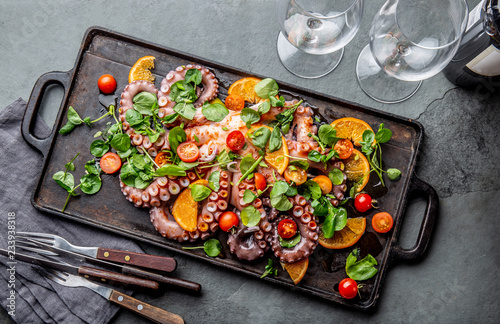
(246, 243)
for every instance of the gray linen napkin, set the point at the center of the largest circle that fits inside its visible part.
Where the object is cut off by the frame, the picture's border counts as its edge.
(38, 300)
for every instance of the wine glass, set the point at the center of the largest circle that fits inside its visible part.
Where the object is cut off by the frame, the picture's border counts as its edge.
(314, 33)
(410, 41)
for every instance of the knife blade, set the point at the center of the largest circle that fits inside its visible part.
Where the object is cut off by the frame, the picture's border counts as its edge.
(125, 269)
(84, 271)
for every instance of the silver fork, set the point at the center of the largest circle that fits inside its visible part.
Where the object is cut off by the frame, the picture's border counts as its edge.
(143, 260)
(150, 312)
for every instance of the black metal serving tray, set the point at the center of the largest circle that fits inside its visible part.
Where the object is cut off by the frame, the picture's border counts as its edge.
(104, 51)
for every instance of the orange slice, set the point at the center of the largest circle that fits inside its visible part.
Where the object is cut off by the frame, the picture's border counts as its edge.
(357, 169)
(351, 128)
(245, 88)
(346, 237)
(141, 69)
(277, 159)
(297, 270)
(185, 209)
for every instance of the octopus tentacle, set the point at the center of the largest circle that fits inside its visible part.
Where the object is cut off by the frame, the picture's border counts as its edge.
(308, 229)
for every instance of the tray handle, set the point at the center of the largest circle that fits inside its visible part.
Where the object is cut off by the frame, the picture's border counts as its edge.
(421, 189)
(33, 106)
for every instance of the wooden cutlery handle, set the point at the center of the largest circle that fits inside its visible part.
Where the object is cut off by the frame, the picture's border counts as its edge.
(153, 313)
(138, 259)
(181, 283)
(104, 275)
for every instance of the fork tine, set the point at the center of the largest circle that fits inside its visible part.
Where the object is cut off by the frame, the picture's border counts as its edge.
(36, 234)
(59, 274)
(43, 240)
(39, 251)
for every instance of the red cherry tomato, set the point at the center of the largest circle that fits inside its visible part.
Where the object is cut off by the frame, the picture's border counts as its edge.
(110, 163)
(287, 228)
(188, 152)
(363, 202)
(348, 288)
(228, 220)
(260, 181)
(162, 158)
(344, 148)
(235, 140)
(107, 84)
(382, 222)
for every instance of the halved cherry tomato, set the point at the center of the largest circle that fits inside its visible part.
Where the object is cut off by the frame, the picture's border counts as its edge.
(188, 152)
(110, 163)
(295, 174)
(107, 84)
(162, 158)
(382, 222)
(324, 183)
(235, 102)
(260, 181)
(228, 220)
(344, 148)
(235, 140)
(287, 228)
(348, 288)
(363, 202)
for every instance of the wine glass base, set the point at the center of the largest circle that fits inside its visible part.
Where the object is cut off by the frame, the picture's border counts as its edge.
(304, 65)
(380, 86)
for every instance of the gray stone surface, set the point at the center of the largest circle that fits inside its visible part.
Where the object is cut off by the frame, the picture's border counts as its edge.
(456, 281)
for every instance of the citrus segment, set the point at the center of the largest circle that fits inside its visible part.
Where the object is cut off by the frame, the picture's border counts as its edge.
(357, 169)
(297, 270)
(141, 69)
(185, 209)
(348, 236)
(245, 88)
(277, 159)
(351, 128)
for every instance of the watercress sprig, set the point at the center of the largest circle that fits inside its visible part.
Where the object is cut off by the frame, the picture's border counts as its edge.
(269, 269)
(363, 269)
(373, 151)
(212, 247)
(74, 119)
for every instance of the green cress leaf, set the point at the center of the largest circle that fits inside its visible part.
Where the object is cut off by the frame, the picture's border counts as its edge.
(140, 183)
(153, 137)
(340, 218)
(70, 166)
(121, 142)
(185, 109)
(193, 75)
(291, 192)
(170, 170)
(90, 184)
(327, 134)
(199, 192)
(65, 180)
(98, 148)
(393, 174)
(275, 141)
(360, 270)
(170, 118)
(127, 153)
(187, 165)
(304, 165)
(92, 167)
(249, 116)
(214, 112)
(87, 121)
(246, 163)
(291, 242)
(133, 117)
(66, 129)
(314, 156)
(250, 216)
(128, 175)
(320, 206)
(269, 269)
(145, 103)
(266, 86)
(260, 137)
(249, 196)
(264, 107)
(139, 161)
(212, 247)
(281, 203)
(214, 181)
(383, 134)
(174, 135)
(336, 176)
(279, 188)
(73, 116)
(313, 188)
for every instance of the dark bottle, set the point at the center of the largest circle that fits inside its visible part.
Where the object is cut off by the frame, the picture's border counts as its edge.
(477, 62)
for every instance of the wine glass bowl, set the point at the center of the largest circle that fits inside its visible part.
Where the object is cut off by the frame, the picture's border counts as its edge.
(410, 40)
(314, 32)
